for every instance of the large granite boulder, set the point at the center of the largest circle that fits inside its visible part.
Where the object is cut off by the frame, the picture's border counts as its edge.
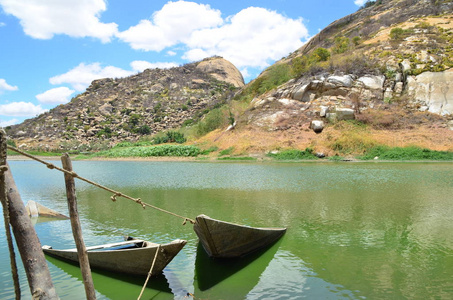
(433, 90)
(221, 69)
(345, 80)
(372, 82)
(317, 126)
(340, 114)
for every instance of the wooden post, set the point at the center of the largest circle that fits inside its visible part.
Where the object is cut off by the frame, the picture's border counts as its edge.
(77, 230)
(33, 259)
(5, 205)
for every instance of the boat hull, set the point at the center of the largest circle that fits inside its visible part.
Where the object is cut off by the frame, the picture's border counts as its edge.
(228, 240)
(35, 209)
(135, 261)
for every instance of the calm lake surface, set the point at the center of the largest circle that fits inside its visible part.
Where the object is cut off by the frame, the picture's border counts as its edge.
(355, 230)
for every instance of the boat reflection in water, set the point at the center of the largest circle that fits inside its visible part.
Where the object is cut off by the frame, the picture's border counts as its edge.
(233, 278)
(109, 284)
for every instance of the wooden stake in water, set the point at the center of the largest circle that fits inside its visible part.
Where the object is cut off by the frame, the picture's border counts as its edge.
(76, 229)
(33, 259)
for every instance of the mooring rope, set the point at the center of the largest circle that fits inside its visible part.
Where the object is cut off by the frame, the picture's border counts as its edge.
(115, 193)
(149, 273)
(12, 255)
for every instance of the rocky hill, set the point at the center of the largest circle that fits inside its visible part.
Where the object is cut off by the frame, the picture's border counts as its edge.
(389, 66)
(113, 110)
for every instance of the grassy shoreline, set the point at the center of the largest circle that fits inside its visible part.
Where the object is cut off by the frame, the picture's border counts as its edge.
(194, 153)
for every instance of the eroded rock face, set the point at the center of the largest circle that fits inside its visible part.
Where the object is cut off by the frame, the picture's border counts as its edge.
(433, 90)
(370, 87)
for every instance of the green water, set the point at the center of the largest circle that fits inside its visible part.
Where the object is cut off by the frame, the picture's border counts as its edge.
(355, 230)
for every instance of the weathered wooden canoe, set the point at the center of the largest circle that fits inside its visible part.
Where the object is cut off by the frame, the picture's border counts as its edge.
(228, 240)
(129, 257)
(35, 209)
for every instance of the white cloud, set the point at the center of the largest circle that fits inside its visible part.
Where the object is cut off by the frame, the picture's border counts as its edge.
(171, 25)
(8, 122)
(196, 54)
(171, 53)
(21, 109)
(6, 87)
(141, 65)
(76, 18)
(252, 38)
(58, 95)
(245, 72)
(360, 2)
(2, 24)
(81, 76)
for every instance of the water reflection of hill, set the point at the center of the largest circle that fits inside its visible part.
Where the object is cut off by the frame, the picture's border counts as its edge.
(375, 245)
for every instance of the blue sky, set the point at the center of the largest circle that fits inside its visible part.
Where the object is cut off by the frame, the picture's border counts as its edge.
(51, 50)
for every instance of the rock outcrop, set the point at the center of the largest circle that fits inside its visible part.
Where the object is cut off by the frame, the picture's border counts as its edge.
(222, 70)
(433, 91)
(393, 54)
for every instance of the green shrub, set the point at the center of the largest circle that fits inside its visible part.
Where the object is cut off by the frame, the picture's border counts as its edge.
(371, 3)
(406, 153)
(341, 45)
(209, 150)
(146, 151)
(106, 132)
(170, 137)
(187, 122)
(321, 54)
(143, 130)
(134, 119)
(309, 63)
(399, 33)
(212, 120)
(293, 154)
(227, 151)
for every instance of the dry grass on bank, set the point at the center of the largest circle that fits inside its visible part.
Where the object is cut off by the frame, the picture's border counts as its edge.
(333, 140)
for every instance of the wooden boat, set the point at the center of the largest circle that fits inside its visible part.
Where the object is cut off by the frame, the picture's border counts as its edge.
(227, 240)
(35, 209)
(130, 257)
